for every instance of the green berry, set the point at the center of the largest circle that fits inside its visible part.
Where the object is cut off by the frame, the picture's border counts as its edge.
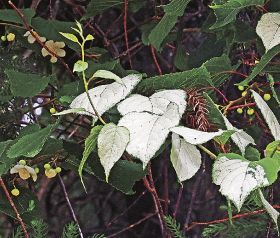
(267, 97)
(52, 110)
(58, 169)
(241, 88)
(3, 38)
(47, 166)
(22, 162)
(15, 192)
(37, 170)
(243, 94)
(239, 110)
(250, 111)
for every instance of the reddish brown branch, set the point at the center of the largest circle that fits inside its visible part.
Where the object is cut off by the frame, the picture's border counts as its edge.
(125, 31)
(28, 27)
(238, 216)
(155, 60)
(23, 226)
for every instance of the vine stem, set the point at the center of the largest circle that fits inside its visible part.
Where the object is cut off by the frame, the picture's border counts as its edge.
(23, 226)
(70, 206)
(150, 185)
(212, 155)
(86, 83)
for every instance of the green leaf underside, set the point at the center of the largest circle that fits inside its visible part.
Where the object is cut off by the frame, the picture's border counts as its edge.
(30, 145)
(179, 80)
(227, 12)
(26, 85)
(265, 59)
(90, 146)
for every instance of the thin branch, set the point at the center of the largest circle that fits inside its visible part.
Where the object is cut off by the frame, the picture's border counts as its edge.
(125, 31)
(23, 226)
(155, 60)
(70, 205)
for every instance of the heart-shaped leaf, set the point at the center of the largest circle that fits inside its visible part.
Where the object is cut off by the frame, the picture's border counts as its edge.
(112, 141)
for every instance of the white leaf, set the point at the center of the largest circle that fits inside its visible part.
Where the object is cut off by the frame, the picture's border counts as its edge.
(105, 96)
(161, 100)
(185, 158)
(240, 137)
(268, 29)
(112, 141)
(274, 214)
(157, 103)
(195, 137)
(135, 103)
(238, 178)
(68, 111)
(148, 131)
(268, 115)
(107, 75)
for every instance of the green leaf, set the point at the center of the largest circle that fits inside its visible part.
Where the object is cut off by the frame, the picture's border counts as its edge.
(226, 13)
(271, 167)
(26, 85)
(9, 15)
(272, 150)
(70, 36)
(68, 111)
(252, 154)
(172, 11)
(96, 7)
(219, 68)
(260, 66)
(80, 66)
(179, 80)
(130, 173)
(89, 37)
(90, 146)
(31, 144)
(5, 162)
(271, 84)
(107, 75)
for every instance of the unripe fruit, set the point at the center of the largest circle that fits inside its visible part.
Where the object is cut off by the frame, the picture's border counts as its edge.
(58, 169)
(267, 97)
(52, 110)
(243, 94)
(250, 111)
(241, 88)
(3, 38)
(50, 173)
(15, 192)
(11, 37)
(22, 162)
(37, 170)
(239, 110)
(47, 166)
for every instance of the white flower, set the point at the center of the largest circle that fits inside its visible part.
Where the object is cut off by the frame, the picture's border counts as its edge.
(55, 47)
(31, 39)
(24, 171)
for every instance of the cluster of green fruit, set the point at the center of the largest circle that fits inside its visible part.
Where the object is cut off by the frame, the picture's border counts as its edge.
(250, 111)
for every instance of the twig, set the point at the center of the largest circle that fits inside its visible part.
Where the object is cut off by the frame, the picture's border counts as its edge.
(27, 26)
(125, 31)
(70, 206)
(238, 216)
(155, 60)
(23, 226)
(178, 201)
(132, 225)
